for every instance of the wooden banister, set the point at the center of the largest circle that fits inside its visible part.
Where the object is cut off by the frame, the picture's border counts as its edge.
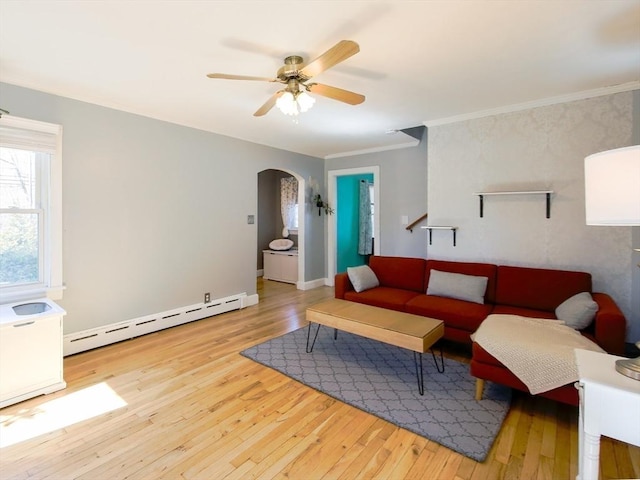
(416, 222)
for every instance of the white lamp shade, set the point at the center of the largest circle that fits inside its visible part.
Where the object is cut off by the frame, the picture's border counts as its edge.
(612, 187)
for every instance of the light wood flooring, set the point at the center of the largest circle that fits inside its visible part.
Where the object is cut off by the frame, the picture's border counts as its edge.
(182, 403)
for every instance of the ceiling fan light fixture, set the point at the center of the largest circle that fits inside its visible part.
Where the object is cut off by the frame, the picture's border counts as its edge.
(287, 104)
(305, 101)
(292, 104)
(294, 74)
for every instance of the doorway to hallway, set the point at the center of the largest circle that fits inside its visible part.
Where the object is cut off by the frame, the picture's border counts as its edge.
(354, 198)
(333, 244)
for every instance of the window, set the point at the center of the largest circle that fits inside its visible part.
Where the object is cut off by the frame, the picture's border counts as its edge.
(373, 203)
(30, 209)
(289, 203)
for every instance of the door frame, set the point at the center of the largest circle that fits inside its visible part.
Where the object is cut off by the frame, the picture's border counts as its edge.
(332, 193)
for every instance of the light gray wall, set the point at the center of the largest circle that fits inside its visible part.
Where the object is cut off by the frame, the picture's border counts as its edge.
(155, 214)
(403, 191)
(536, 149)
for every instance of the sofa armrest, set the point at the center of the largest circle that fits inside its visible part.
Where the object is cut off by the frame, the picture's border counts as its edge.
(342, 285)
(610, 325)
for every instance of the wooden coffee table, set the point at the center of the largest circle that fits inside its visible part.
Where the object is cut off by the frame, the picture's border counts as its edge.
(413, 332)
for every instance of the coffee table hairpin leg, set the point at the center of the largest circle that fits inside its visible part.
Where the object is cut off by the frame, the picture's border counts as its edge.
(310, 348)
(440, 367)
(417, 360)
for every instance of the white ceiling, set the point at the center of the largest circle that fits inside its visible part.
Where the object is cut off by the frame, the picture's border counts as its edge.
(420, 61)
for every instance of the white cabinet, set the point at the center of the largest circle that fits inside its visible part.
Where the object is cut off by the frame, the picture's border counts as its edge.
(280, 266)
(30, 355)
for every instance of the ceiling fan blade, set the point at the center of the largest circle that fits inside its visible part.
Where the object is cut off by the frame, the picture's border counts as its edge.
(269, 104)
(240, 77)
(336, 93)
(336, 54)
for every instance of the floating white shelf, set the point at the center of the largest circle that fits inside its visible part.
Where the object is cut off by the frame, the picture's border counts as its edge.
(441, 227)
(547, 193)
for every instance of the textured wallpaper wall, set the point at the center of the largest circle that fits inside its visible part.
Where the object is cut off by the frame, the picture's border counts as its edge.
(538, 149)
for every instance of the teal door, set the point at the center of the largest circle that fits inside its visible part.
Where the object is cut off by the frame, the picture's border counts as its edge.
(347, 211)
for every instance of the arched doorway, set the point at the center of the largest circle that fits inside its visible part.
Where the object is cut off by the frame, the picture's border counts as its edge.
(269, 221)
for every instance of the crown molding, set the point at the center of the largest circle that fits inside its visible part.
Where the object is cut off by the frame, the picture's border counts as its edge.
(396, 146)
(598, 92)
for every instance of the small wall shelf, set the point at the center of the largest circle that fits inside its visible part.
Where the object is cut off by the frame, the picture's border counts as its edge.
(446, 227)
(547, 193)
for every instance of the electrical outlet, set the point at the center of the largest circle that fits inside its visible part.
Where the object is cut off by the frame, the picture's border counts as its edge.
(207, 297)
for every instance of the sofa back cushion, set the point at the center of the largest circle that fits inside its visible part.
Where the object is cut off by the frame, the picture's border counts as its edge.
(399, 272)
(467, 268)
(539, 288)
(469, 288)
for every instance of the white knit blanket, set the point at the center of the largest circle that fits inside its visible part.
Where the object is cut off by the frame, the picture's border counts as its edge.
(538, 351)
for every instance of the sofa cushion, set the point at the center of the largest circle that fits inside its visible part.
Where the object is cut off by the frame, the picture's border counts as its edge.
(457, 285)
(400, 272)
(578, 311)
(362, 278)
(538, 288)
(467, 268)
(455, 313)
(524, 312)
(384, 297)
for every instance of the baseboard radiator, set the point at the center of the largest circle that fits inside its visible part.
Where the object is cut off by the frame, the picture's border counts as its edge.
(116, 332)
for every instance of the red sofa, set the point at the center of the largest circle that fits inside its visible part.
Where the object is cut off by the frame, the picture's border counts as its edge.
(531, 292)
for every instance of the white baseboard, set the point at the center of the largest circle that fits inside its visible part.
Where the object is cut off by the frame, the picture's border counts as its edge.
(260, 272)
(311, 284)
(249, 300)
(116, 332)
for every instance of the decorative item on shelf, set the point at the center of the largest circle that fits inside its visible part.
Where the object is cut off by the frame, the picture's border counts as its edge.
(316, 198)
(612, 198)
(2, 110)
(322, 205)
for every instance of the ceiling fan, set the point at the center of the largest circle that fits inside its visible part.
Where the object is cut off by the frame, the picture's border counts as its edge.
(295, 75)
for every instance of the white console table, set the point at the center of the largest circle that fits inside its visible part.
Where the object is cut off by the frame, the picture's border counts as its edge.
(609, 405)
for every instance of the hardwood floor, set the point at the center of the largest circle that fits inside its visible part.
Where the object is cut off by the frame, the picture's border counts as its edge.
(182, 403)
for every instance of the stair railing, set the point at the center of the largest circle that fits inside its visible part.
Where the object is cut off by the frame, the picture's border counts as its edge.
(412, 225)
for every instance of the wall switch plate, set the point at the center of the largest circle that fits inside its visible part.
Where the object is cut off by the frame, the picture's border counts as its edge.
(251, 219)
(207, 297)
(404, 220)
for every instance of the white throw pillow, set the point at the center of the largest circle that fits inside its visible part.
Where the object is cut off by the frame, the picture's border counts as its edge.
(456, 285)
(578, 311)
(362, 278)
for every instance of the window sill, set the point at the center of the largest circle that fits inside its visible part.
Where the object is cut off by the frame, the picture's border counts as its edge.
(31, 293)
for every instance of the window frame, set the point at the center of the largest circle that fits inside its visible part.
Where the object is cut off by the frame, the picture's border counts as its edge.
(29, 135)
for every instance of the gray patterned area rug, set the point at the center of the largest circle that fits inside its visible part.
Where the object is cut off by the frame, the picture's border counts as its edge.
(381, 379)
